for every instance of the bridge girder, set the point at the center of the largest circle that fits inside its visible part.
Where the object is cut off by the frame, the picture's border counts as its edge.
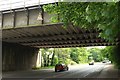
(54, 36)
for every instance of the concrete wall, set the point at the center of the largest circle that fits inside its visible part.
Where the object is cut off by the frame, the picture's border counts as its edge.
(21, 18)
(39, 59)
(0, 20)
(24, 18)
(17, 57)
(8, 21)
(33, 17)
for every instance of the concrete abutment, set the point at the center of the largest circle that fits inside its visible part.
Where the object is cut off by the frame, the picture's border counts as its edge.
(18, 57)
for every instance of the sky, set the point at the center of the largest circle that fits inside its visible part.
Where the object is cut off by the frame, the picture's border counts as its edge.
(95, 47)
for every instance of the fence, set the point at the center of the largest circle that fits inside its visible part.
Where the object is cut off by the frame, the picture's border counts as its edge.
(13, 4)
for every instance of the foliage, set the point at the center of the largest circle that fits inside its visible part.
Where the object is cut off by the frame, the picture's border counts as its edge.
(116, 56)
(113, 54)
(38, 68)
(35, 68)
(73, 63)
(79, 55)
(106, 52)
(46, 56)
(75, 57)
(64, 55)
(102, 16)
(96, 54)
(55, 61)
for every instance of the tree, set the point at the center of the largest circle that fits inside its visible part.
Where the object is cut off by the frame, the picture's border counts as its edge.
(106, 52)
(79, 55)
(52, 59)
(46, 52)
(112, 53)
(103, 16)
(96, 54)
(89, 15)
(44, 56)
(74, 55)
(63, 55)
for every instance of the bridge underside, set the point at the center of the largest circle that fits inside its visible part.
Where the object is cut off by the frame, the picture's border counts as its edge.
(54, 36)
(21, 41)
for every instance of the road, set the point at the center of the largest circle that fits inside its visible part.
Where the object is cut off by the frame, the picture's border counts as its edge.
(98, 70)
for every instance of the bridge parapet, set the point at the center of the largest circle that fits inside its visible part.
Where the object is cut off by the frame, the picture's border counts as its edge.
(24, 17)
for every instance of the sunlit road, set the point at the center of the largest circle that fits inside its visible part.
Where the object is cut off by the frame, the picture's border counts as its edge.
(98, 70)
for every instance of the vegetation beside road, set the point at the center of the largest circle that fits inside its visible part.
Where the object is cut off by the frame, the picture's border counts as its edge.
(71, 56)
(103, 16)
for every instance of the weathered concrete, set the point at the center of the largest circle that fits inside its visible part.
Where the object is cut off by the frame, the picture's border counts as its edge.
(14, 56)
(17, 57)
(33, 17)
(8, 20)
(24, 18)
(21, 18)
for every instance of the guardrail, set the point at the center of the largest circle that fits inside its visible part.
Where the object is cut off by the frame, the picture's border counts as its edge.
(13, 4)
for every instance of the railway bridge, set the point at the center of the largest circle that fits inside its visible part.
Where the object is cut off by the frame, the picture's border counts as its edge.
(27, 29)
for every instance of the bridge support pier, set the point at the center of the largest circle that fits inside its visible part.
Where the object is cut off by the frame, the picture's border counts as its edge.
(18, 57)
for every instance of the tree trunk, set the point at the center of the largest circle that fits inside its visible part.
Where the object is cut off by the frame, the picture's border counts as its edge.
(48, 60)
(52, 60)
(45, 60)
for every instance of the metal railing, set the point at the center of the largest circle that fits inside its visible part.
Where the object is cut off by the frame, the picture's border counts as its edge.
(13, 4)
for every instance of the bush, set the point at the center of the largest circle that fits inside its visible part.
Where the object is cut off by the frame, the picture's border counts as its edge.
(116, 56)
(73, 63)
(36, 68)
(55, 61)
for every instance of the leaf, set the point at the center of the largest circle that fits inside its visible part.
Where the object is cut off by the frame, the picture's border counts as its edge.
(88, 19)
(82, 14)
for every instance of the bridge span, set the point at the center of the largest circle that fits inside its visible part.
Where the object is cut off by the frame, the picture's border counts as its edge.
(31, 26)
(27, 29)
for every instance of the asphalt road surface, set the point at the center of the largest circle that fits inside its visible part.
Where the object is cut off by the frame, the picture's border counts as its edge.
(98, 70)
